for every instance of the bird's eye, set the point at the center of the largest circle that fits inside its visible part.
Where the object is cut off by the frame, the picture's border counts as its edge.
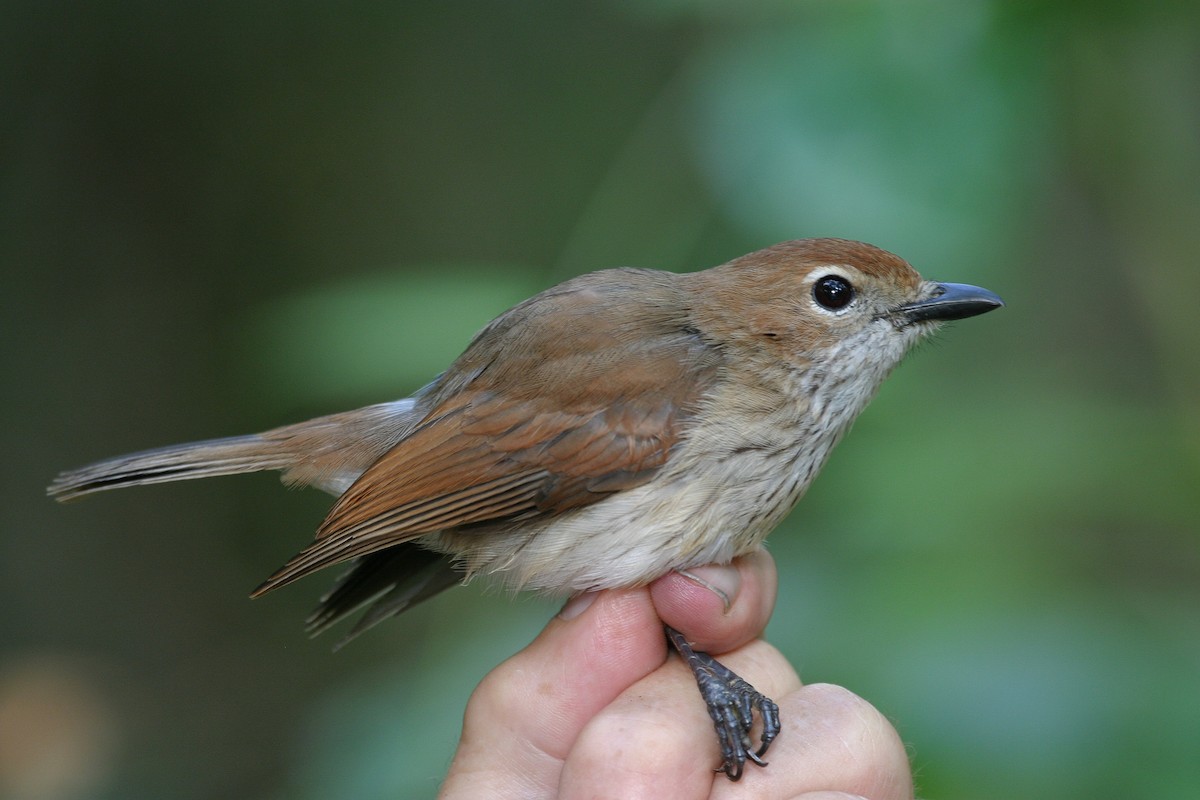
(833, 292)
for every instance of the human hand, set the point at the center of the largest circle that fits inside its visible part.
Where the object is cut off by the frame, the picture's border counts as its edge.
(595, 708)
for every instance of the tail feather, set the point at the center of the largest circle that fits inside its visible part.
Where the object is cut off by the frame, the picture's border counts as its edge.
(391, 581)
(327, 453)
(228, 456)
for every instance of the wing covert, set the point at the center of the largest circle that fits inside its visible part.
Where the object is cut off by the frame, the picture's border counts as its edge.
(524, 435)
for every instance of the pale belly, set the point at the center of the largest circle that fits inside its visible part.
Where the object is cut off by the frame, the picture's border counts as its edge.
(637, 535)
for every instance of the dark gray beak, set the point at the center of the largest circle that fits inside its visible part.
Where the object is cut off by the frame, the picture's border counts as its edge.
(949, 301)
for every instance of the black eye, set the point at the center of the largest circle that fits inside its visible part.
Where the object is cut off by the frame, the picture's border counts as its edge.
(833, 292)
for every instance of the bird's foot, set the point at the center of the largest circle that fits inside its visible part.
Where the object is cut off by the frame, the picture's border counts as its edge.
(731, 702)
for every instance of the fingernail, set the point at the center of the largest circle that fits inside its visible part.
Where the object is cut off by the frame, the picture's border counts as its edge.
(577, 605)
(723, 581)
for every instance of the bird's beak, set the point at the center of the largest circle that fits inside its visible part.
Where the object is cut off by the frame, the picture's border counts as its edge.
(949, 301)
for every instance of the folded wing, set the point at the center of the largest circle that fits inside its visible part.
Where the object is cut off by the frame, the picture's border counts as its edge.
(526, 435)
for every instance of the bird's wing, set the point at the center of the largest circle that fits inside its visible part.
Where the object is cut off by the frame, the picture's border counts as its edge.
(522, 441)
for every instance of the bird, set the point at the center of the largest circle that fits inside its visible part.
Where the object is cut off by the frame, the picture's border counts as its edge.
(614, 428)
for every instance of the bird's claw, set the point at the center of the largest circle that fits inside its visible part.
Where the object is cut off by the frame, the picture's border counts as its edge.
(731, 703)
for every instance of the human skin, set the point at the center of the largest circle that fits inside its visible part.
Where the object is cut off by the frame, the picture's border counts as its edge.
(595, 706)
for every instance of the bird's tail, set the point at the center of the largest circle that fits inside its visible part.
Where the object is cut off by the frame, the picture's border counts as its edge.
(179, 462)
(327, 453)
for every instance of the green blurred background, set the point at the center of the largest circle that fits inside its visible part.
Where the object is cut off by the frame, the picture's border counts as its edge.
(219, 217)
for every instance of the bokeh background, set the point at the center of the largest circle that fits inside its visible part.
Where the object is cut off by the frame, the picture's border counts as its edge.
(218, 217)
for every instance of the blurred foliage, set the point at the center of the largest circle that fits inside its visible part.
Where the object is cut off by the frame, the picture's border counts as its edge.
(221, 217)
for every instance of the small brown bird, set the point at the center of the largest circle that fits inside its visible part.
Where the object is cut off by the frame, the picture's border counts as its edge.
(601, 434)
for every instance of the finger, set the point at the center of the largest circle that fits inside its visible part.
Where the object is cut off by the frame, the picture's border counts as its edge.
(832, 741)
(524, 717)
(656, 740)
(696, 605)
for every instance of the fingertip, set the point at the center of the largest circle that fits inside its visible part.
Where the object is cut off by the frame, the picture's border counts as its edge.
(603, 633)
(834, 744)
(719, 607)
(725, 581)
(577, 605)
